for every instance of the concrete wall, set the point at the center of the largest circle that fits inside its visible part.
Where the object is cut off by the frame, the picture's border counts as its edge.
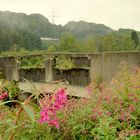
(75, 76)
(32, 74)
(95, 66)
(112, 61)
(9, 66)
(72, 76)
(105, 64)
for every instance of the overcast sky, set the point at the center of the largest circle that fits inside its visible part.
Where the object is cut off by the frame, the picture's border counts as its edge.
(113, 13)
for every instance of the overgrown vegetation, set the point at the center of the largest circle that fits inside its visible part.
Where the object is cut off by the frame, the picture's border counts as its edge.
(63, 62)
(110, 113)
(36, 62)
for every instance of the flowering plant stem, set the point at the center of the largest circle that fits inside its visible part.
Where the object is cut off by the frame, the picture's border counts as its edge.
(19, 113)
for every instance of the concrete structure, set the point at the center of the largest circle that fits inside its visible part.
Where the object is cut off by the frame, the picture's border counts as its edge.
(105, 65)
(49, 69)
(111, 61)
(10, 67)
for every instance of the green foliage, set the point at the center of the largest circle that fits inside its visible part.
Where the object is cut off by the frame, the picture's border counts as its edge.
(30, 112)
(36, 62)
(88, 45)
(63, 62)
(68, 44)
(110, 114)
(83, 29)
(14, 39)
(25, 31)
(135, 38)
(51, 49)
(2, 76)
(12, 89)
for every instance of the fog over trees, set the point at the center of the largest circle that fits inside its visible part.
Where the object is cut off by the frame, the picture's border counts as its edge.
(20, 31)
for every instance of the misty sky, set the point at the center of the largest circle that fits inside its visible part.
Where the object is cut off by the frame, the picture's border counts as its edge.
(113, 13)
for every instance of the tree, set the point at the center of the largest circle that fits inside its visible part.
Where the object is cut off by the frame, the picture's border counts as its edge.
(89, 45)
(51, 49)
(135, 38)
(127, 44)
(68, 43)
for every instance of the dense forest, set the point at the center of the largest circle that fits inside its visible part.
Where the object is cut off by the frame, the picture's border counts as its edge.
(19, 31)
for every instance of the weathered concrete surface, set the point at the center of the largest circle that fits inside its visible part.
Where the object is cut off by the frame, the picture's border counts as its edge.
(49, 63)
(105, 64)
(112, 61)
(74, 76)
(48, 88)
(10, 66)
(32, 74)
(95, 66)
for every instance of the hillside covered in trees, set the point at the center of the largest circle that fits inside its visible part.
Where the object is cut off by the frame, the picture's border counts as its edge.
(20, 31)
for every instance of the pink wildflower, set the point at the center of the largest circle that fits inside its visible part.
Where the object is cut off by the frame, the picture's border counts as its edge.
(89, 89)
(95, 110)
(133, 97)
(122, 117)
(108, 113)
(107, 98)
(5, 95)
(44, 114)
(100, 113)
(61, 96)
(131, 108)
(53, 104)
(94, 117)
(54, 123)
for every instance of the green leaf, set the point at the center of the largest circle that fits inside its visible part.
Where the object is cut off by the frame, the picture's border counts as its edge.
(12, 101)
(6, 137)
(8, 132)
(24, 138)
(31, 85)
(0, 137)
(30, 112)
(10, 122)
(11, 128)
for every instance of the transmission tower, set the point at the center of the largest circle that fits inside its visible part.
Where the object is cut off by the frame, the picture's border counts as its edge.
(53, 16)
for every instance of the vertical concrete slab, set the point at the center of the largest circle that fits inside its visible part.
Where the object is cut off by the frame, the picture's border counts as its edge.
(11, 66)
(111, 62)
(15, 70)
(95, 66)
(48, 69)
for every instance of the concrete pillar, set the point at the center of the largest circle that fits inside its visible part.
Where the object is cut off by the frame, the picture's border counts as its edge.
(11, 68)
(15, 70)
(48, 69)
(95, 66)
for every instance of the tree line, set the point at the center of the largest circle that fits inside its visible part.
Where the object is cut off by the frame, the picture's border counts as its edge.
(19, 31)
(16, 39)
(110, 42)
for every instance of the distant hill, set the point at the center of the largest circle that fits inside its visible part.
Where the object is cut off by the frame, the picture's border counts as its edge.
(123, 31)
(40, 25)
(83, 29)
(35, 23)
(19, 30)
